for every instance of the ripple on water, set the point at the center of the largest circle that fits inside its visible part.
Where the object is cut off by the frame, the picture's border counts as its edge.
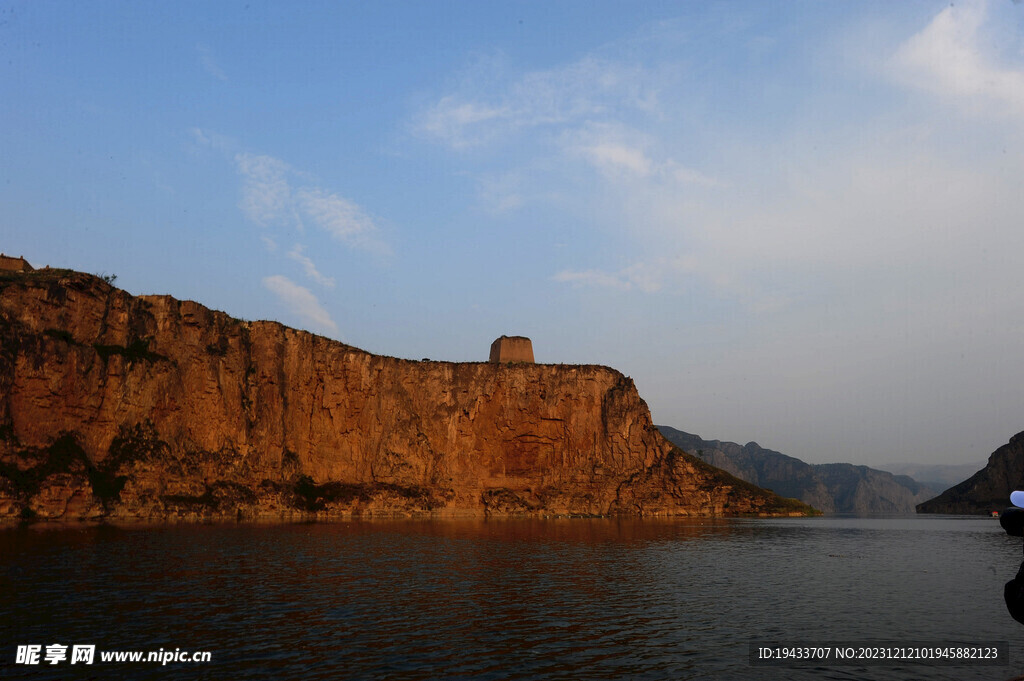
(601, 599)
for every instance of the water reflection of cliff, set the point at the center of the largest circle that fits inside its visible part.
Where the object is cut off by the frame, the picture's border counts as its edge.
(582, 530)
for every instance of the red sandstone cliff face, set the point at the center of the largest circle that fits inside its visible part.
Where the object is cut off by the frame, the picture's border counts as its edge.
(148, 407)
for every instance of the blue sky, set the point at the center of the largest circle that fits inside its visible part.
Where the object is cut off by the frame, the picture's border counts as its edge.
(795, 223)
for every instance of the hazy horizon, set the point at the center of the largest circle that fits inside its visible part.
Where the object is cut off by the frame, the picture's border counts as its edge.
(795, 224)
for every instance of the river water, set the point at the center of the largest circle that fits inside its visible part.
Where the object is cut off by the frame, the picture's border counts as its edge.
(505, 599)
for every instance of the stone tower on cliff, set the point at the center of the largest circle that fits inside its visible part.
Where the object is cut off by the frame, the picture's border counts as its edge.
(512, 349)
(11, 264)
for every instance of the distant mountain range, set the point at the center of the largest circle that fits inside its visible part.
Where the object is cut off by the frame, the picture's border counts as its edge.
(988, 489)
(832, 487)
(938, 477)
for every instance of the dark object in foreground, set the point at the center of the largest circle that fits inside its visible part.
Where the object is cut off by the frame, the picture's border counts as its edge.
(1013, 594)
(1012, 520)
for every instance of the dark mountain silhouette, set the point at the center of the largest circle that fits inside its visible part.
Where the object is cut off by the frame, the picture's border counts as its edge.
(988, 489)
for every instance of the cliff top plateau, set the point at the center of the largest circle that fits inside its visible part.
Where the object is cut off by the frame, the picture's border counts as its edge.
(115, 406)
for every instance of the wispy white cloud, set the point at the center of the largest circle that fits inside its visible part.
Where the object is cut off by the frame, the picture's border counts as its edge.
(676, 273)
(341, 218)
(480, 113)
(620, 152)
(613, 157)
(210, 64)
(457, 121)
(632, 277)
(301, 302)
(213, 140)
(765, 208)
(270, 198)
(266, 192)
(309, 267)
(951, 57)
(648, 276)
(500, 193)
(893, 209)
(822, 204)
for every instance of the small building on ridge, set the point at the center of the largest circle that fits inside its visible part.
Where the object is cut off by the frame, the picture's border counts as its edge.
(10, 264)
(512, 349)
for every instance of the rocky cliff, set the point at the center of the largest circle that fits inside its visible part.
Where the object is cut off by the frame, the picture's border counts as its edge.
(832, 488)
(119, 406)
(988, 489)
